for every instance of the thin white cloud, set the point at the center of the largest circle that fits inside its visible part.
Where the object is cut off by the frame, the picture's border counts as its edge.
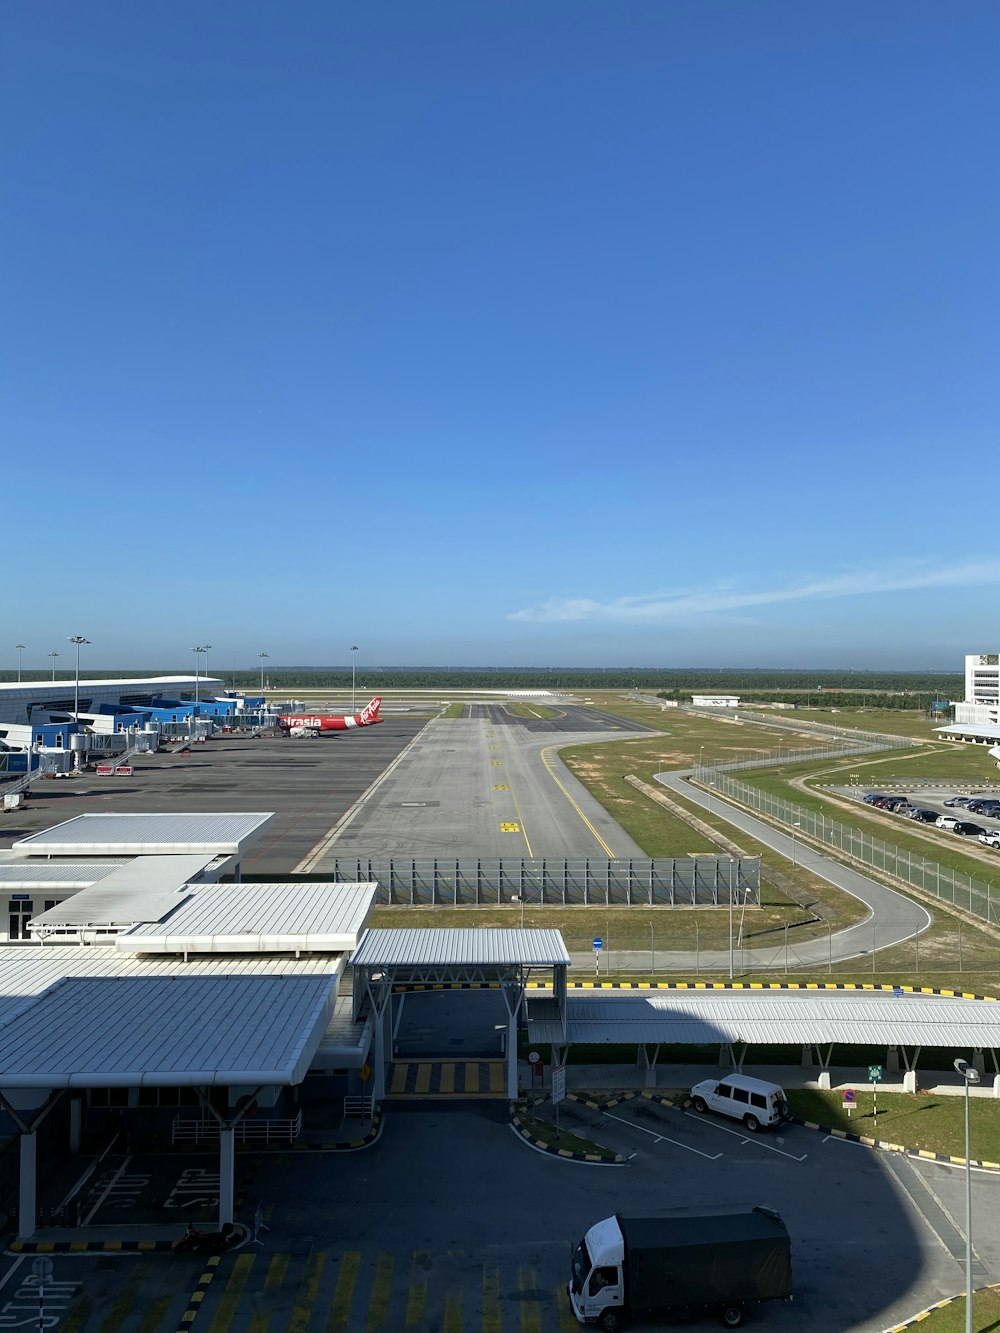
(672, 607)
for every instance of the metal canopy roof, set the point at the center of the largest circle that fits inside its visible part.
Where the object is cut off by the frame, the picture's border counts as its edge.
(774, 1017)
(985, 731)
(258, 918)
(477, 947)
(22, 874)
(93, 1032)
(71, 1016)
(143, 890)
(147, 835)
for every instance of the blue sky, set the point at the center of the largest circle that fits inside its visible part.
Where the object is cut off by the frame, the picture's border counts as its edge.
(658, 333)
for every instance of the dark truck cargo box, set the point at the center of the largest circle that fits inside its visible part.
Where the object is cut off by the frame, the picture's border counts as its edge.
(706, 1258)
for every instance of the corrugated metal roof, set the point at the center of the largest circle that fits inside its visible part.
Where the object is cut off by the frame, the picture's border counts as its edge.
(986, 731)
(192, 1031)
(23, 874)
(259, 918)
(152, 835)
(776, 1017)
(142, 890)
(491, 946)
(88, 1032)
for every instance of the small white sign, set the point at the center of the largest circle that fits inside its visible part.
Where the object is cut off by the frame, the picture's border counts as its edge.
(558, 1084)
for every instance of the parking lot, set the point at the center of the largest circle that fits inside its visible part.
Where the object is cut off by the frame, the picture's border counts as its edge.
(450, 1222)
(929, 797)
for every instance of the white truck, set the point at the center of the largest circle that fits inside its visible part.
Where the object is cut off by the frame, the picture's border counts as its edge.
(644, 1266)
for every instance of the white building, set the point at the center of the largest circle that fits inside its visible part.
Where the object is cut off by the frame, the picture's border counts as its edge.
(977, 717)
(36, 699)
(715, 700)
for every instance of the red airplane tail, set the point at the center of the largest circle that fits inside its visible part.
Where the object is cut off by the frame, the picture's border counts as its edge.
(370, 713)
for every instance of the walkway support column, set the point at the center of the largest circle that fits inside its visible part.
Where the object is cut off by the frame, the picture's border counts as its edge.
(227, 1173)
(26, 1198)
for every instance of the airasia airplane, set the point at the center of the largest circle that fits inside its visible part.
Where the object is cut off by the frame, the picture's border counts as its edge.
(313, 724)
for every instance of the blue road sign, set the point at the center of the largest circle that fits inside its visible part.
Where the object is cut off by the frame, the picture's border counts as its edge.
(598, 942)
(849, 1095)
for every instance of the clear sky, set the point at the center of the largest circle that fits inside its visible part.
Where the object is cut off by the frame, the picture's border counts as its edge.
(535, 332)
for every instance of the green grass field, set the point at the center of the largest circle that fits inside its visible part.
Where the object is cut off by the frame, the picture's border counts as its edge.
(924, 1121)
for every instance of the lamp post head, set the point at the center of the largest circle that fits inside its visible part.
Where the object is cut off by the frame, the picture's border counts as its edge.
(968, 1072)
(77, 639)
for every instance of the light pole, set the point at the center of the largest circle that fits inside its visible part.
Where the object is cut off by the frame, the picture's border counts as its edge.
(53, 656)
(262, 656)
(205, 651)
(20, 649)
(732, 863)
(794, 827)
(354, 659)
(970, 1075)
(197, 663)
(79, 640)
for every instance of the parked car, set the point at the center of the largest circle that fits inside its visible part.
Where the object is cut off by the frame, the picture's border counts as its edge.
(751, 1100)
(958, 800)
(983, 807)
(945, 821)
(923, 816)
(991, 838)
(967, 829)
(873, 798)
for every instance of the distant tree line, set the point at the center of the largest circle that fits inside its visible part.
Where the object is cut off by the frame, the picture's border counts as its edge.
(815, 687)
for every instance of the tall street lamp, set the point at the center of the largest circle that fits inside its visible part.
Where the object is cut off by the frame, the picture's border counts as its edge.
(794, 827)
(732, 864)
(262, 656)
(205, 651)
(53, 656)
(970, 1075)
(20, 649)
(354, 660)
(198, 650)
(79, 640)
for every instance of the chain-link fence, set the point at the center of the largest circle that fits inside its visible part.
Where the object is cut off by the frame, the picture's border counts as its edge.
(701, 881)
(974, 895)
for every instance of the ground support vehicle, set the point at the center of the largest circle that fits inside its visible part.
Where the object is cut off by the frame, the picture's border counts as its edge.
(642, 1266)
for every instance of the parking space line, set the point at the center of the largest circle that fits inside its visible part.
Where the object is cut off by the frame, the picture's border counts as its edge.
(107, 1190)
(746, 1138)
(662, 1138)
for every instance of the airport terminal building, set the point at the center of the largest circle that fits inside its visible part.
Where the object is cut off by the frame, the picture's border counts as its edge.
(35, 700)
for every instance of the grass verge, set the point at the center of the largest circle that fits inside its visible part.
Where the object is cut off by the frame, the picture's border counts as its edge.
(539, 1127)
(951, 1319)
(924, 1121)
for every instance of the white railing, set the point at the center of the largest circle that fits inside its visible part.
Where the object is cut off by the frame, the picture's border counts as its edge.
(206, 1130)
(362, 1107)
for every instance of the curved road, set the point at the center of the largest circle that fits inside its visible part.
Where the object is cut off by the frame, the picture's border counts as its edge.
(892, 917)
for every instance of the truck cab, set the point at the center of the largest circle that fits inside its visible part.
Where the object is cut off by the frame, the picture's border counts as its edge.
(596, 1289)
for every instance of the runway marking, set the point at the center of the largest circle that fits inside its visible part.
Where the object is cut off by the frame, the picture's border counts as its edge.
(500, 786)
(663, 1138)
(552, 774)
(496, 763)
(310, 861)
(507, 827)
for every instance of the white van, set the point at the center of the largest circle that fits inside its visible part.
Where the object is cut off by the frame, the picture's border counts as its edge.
(751, 1100)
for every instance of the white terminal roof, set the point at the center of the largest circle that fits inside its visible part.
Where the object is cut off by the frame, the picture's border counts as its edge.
(983, 731)
(61, 686)
(775, 1017)
(147, 835)
(258, 918)
(77, 1017)
(143, 890)
(478, 946)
